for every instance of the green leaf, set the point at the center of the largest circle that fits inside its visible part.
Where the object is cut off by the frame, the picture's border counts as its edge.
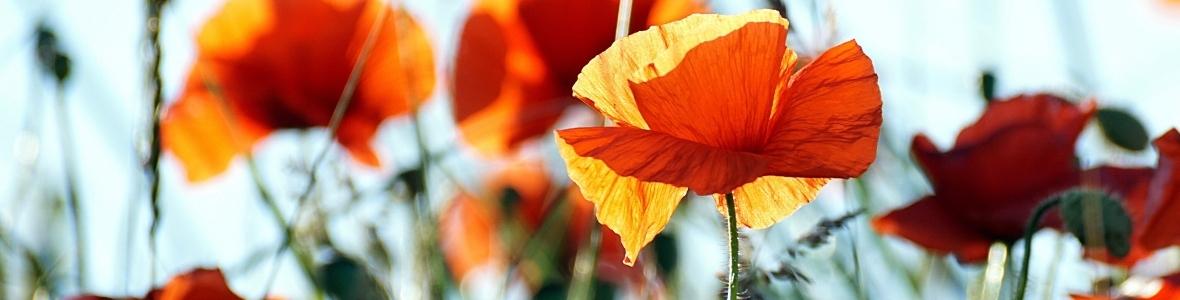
(1082, 211)
(987, 86)
(1122, 129)
(344, 278)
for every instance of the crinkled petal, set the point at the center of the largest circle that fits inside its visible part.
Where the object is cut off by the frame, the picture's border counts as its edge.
(929, 224)
(716, 85)
(769, 199)
(828, 118)
(636, 210)
(604, 82)
(658, 157)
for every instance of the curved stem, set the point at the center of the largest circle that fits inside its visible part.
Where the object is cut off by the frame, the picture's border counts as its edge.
(1038, 213)
(732, 288)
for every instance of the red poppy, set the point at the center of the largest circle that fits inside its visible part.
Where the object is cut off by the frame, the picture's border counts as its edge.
(265, 65)
(712, 103)
(1019, 152)
(517, 60)
(198, 284)
(1151, 197)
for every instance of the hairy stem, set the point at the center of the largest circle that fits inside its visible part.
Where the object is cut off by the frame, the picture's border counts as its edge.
(1029, 229)
(734, 268)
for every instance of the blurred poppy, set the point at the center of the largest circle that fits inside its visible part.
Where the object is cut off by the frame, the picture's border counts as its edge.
(517, 60)
(473, 229)
(1169, 288)
(1151, 197)
(711, 103)
(264, 65)
(198, 284)
(1019, 152)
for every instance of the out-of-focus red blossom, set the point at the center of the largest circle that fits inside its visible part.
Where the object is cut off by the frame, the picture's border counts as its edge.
(471, 226)
(1019, 152)
(517, 60)
(1151, 197)
(265, 65)
(198, 284)
(1169, 290)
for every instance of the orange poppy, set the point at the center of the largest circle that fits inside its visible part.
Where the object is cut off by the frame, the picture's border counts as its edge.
(1019, 152)
(471, 228)
(265, 65)
(712, 103)
(198, 284)
(517, 60)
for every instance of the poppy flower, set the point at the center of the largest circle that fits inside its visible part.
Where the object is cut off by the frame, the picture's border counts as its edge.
(517, 59)
(472, 228)
(712, 103)
(1169, 288)
(1151, 197)
(198, 284)
(266, 65)
(1019, 152)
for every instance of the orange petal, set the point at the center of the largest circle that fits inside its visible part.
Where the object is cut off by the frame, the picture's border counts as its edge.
(468, 235)
(196, 128)
(828, 118)
(502, 92)
(658, 157)
(604, 82)
(197, 284)
(664, 11)
(1161, 229)
(635, 210)
(768, 199)
(927, 223)
(716, 85)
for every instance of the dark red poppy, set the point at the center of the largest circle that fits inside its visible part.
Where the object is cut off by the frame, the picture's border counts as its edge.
(517, 60)
(1151, 197)
(1019, 152)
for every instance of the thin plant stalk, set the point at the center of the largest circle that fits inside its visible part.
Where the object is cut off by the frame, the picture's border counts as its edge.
(71, 187)
(585, 266)
(303, 257)
(734, 267)
(153, 23)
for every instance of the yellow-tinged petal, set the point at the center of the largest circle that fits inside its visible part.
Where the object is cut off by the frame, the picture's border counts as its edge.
(634, 209)
(603, 87)
(768, 199)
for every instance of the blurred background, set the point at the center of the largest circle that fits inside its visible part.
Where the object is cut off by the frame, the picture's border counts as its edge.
(364, 221)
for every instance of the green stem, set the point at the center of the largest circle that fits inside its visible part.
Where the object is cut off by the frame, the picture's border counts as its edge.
(1029, 229)
(153, 162)
(586, 264)
(306, 262)
(71, 187)
(732, 288)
